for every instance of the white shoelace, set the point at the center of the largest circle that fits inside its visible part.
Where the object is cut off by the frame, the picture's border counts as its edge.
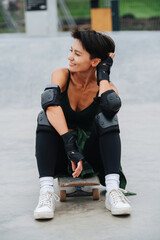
(118, 196)
(46, 199)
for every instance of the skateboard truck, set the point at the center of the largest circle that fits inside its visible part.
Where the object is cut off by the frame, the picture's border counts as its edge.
(78, 183)
(79, 192)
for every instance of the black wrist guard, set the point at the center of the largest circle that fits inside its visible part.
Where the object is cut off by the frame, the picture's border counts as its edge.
(71, 148)
(103, 69)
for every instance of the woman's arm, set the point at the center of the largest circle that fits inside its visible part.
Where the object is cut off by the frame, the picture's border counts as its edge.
(110, 102)
(55, 114)
(57, 119)
(105, 86)
(114, 88)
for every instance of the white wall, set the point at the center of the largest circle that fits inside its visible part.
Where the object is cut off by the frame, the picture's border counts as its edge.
(42, 23)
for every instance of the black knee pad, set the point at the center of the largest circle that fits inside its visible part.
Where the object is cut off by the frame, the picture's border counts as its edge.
(44, 124)
(104, 124)
(110, 103)
(42, 119)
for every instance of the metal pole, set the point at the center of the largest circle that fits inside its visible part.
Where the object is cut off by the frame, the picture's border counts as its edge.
(94, 3)
(115, 15)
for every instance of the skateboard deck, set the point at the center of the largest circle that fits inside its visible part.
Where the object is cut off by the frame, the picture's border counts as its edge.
(79, 184)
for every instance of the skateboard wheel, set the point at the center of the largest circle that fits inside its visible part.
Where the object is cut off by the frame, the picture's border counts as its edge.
(96, 194)
(62, 195)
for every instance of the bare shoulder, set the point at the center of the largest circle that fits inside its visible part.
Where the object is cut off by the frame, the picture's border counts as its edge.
(60, 77)
(114, 87)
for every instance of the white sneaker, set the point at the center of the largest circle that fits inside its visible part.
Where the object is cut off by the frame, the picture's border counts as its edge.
(117, 203)
(46, 205)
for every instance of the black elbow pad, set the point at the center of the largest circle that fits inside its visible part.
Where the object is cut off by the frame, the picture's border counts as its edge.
(110, 103)
(50, 96)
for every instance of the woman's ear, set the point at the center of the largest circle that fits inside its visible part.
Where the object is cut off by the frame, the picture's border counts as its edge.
(95, 62)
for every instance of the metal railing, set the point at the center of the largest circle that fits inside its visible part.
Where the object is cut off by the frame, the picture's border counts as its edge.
(139, 14)
(8, 19)
(12, 16)
(133, 14)
(66, 13)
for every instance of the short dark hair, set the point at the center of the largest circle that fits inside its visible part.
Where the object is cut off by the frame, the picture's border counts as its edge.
(97, 44)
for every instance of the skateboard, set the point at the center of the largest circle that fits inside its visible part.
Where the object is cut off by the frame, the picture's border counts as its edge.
(78, 184)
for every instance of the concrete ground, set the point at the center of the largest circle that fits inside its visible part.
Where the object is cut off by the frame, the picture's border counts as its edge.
(26, 65)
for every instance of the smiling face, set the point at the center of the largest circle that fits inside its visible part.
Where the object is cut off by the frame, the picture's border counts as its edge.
(79, 58)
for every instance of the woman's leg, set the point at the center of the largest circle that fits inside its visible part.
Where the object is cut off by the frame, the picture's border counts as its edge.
(104, 153)
(51, 160)
(110, 152)
(50, 153)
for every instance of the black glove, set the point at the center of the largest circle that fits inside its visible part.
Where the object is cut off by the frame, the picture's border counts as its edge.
(103, 69)
(71, 148)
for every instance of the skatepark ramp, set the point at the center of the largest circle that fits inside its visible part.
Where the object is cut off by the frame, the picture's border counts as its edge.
(26, 65)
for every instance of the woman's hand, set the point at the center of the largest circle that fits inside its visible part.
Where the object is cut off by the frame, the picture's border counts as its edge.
(106, 85)
(103, 68)
(112, 55)
(76, 169)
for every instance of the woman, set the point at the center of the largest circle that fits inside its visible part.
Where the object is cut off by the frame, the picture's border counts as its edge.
(79, 125)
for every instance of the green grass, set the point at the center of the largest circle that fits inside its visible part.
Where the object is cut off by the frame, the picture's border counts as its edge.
(81, 8)
(138, 8)
(78, 9)
(16, 15)
(1, 16)
(6, 30)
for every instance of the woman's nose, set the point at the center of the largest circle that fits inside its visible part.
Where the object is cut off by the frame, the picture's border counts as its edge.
(70, 57)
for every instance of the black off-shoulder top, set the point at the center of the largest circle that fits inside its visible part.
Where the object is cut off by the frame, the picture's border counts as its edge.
(78, 119)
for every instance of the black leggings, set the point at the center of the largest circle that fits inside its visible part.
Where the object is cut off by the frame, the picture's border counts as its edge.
(102, 152)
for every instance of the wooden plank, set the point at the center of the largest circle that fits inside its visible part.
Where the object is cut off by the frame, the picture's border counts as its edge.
(70, 182)
(101, 19)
